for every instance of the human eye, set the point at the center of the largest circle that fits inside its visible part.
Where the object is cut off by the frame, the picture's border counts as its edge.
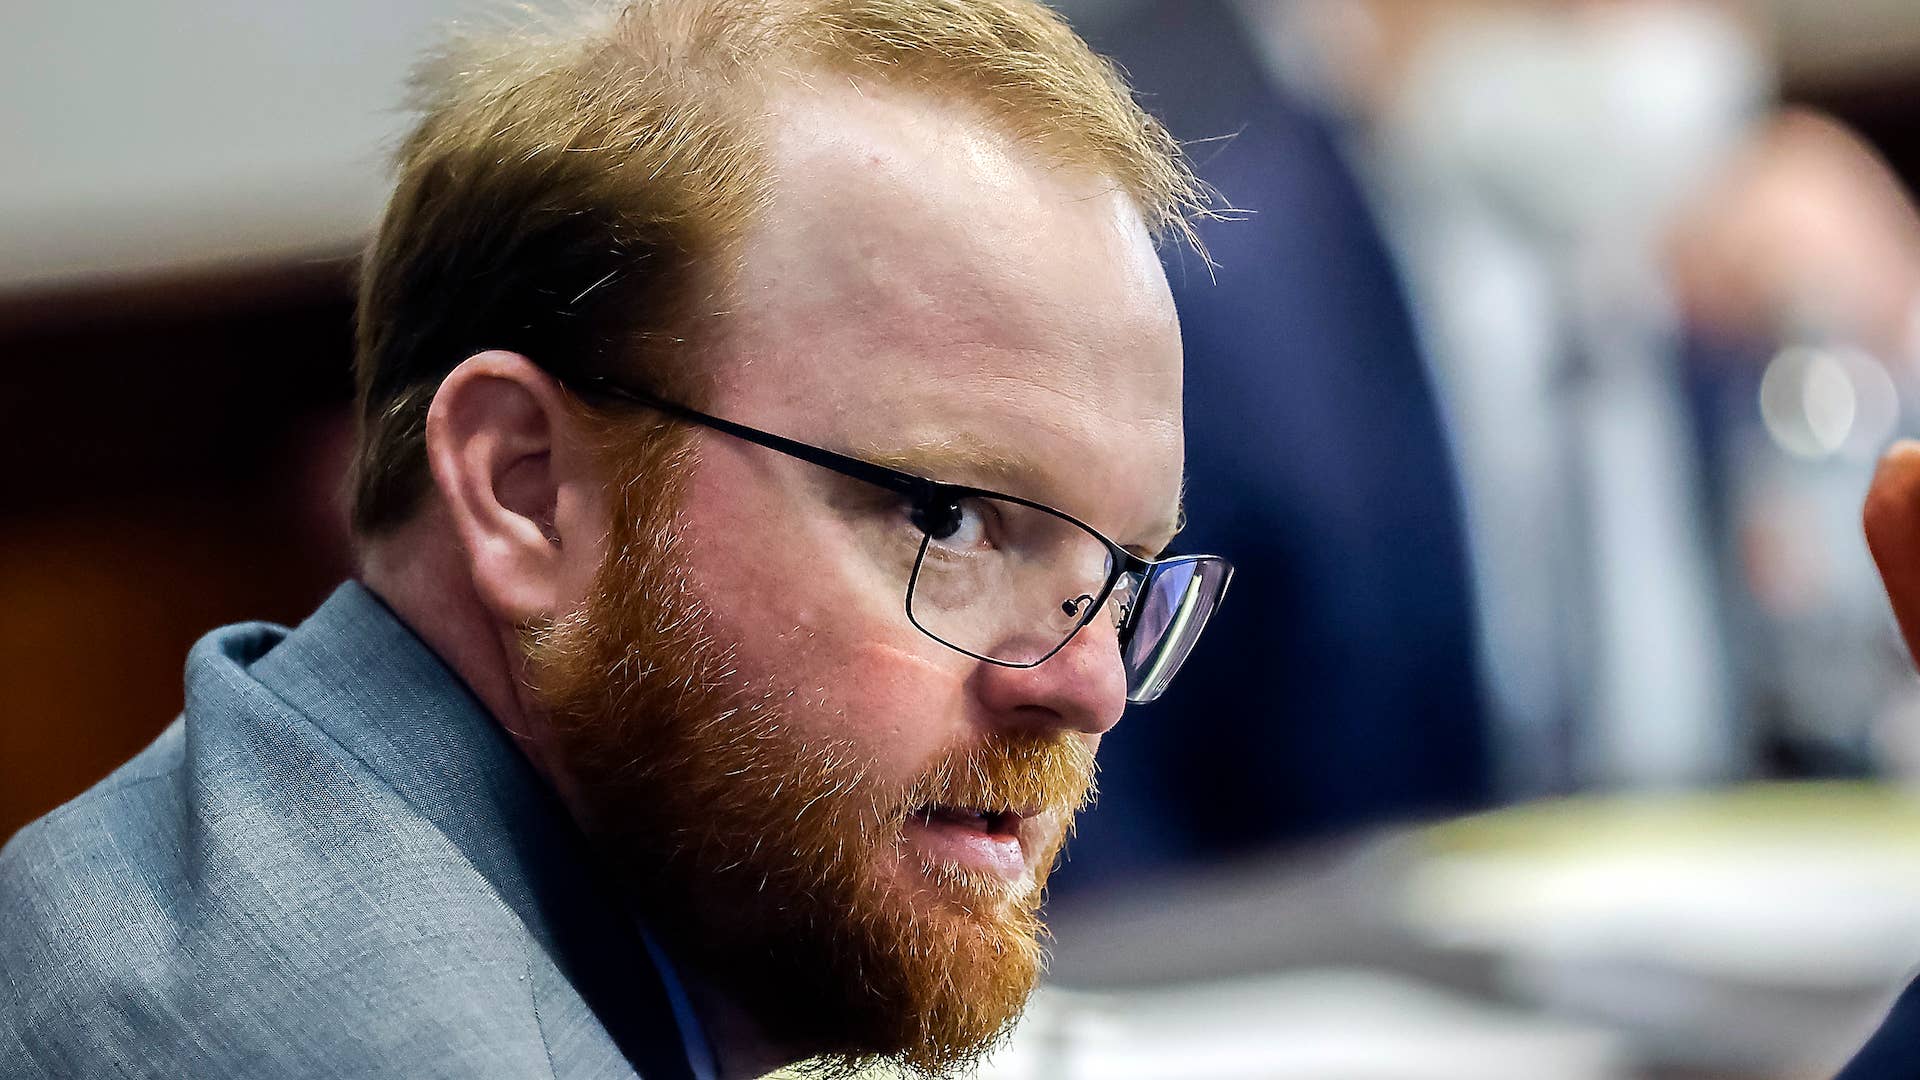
(960, 526)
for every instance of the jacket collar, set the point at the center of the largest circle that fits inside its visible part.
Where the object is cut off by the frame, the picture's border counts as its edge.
(358, 673)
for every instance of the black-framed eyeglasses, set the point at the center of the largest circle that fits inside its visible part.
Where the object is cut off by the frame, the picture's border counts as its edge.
(1008, 580)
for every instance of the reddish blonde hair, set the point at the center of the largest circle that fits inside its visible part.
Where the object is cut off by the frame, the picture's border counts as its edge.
(576, 193)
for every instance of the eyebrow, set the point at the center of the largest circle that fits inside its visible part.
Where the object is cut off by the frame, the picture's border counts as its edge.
(926, 461)
(954, 462)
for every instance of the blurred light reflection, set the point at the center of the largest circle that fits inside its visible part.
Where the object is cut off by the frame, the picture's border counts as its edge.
(1822, 401)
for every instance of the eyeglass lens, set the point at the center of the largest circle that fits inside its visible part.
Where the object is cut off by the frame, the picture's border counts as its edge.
(1012, 583)
(1176, 600)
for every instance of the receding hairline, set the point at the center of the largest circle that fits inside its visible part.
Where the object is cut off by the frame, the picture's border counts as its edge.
(778, 45)
(646, 120)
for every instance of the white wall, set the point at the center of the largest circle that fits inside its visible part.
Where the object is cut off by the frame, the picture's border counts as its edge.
(141, 136)
(145, 135)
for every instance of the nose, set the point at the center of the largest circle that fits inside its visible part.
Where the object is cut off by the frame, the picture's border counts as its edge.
(1083, 687)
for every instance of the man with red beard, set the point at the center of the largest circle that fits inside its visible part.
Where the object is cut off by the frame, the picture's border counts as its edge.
(770, 436)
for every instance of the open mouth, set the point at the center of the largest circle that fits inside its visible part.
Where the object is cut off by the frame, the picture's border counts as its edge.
(991, 822)
(975, 838)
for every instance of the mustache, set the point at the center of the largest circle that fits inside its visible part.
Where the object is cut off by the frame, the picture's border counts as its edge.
(1026, 774)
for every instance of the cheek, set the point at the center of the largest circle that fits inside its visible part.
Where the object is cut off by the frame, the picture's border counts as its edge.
(768, 563)
(902, 707)
(775, 575)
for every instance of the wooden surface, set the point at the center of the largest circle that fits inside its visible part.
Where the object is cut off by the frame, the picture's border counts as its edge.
(172, 454)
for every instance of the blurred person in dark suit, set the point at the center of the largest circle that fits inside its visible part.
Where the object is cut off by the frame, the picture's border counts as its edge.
(1325, 455)
(1437, 368)
(770, 426)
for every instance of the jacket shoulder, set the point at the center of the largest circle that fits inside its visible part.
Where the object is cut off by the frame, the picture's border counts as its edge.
(81, 900)
(246, 898)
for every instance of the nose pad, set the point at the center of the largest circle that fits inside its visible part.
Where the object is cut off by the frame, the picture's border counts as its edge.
(1119, 607)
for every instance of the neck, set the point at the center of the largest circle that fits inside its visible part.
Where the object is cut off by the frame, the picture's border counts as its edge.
(418, 571)
(742, 1047)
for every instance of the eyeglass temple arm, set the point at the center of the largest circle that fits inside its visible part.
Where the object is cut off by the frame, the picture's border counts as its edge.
(907, 484)
(918, 488)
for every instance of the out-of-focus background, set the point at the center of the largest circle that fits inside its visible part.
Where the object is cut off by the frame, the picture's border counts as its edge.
(1556, 727)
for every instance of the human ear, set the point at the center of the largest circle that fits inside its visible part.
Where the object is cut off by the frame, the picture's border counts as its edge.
(516, 484)
(1892, 519)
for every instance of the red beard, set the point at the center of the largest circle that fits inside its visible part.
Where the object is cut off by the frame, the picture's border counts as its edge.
(770, 862)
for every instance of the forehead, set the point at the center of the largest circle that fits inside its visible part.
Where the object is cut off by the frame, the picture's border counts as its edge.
(920, 281)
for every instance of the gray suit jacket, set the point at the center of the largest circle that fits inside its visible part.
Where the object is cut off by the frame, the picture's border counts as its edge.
(333, 865)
